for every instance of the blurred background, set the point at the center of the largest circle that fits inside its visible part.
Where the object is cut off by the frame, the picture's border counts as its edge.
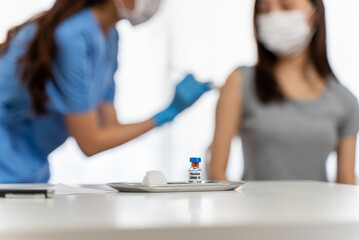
(209, 38)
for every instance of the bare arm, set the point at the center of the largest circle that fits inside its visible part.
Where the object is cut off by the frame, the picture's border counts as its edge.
(107, 115)
(98, 131)
(228, 116)
(346, 160)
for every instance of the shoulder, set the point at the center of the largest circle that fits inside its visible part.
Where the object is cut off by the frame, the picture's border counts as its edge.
(242, 81)
(237, 84)
(25, 34)
(232, 86)
(234, 79)
(27, 31)
(229, 91)
(240, 76)
(81, 25)
(343, 94)
(18, 46)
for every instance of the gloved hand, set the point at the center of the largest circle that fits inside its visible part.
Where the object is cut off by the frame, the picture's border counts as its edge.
(188, 91)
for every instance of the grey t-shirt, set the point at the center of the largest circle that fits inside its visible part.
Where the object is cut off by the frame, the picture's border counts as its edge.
(292, 140)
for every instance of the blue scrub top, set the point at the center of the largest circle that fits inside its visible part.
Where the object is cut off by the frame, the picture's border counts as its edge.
(83, 69)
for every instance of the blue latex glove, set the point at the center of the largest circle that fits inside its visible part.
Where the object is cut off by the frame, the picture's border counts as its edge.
(188, 91)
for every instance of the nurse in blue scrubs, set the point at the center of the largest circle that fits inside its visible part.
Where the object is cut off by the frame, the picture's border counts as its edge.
(56, 81)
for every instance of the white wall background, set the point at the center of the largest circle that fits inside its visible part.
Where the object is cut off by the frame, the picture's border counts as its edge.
(207, 37)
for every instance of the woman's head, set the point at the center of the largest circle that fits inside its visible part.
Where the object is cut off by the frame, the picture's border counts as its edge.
(284, 29)
(268, 6)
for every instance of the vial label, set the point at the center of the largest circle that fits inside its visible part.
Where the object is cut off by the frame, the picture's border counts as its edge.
(195, 176)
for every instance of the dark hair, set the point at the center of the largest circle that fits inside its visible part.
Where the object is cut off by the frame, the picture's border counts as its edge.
(267, 88)
(36, 63)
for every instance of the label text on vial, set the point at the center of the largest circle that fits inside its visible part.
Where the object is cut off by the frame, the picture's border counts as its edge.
(195, 177)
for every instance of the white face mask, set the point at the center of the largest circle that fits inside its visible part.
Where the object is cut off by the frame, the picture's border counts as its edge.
(284, 33)
(143, 11)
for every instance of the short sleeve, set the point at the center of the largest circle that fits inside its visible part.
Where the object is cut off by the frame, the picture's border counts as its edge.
(349, 124)
(70, 91)
(248, 91)
(110, 89)
(109, 94)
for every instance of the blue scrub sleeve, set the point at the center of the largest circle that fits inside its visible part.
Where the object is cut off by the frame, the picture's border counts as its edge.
(71, 90)
(109, 94)
(349, 125)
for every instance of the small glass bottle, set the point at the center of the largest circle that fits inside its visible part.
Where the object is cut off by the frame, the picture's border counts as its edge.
(195, 173)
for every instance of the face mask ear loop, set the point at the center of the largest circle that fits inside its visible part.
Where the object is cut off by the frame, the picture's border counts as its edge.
(315, 27)
(314, 9)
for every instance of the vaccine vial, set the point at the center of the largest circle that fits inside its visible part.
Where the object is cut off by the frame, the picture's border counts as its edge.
(195, 173)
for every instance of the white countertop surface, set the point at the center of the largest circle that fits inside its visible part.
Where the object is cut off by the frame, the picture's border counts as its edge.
(257, 210)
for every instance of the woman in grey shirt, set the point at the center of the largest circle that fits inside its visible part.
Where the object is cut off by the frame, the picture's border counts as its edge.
(290, 110)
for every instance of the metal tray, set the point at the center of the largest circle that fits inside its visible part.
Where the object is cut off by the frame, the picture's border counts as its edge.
(177, 187)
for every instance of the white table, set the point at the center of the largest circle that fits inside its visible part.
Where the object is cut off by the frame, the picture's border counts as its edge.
(258, 210)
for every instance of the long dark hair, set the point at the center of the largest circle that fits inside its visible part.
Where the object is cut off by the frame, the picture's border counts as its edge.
(36, 63)
(266, 85)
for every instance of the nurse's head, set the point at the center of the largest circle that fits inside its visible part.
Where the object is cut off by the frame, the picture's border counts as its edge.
(286, 29)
